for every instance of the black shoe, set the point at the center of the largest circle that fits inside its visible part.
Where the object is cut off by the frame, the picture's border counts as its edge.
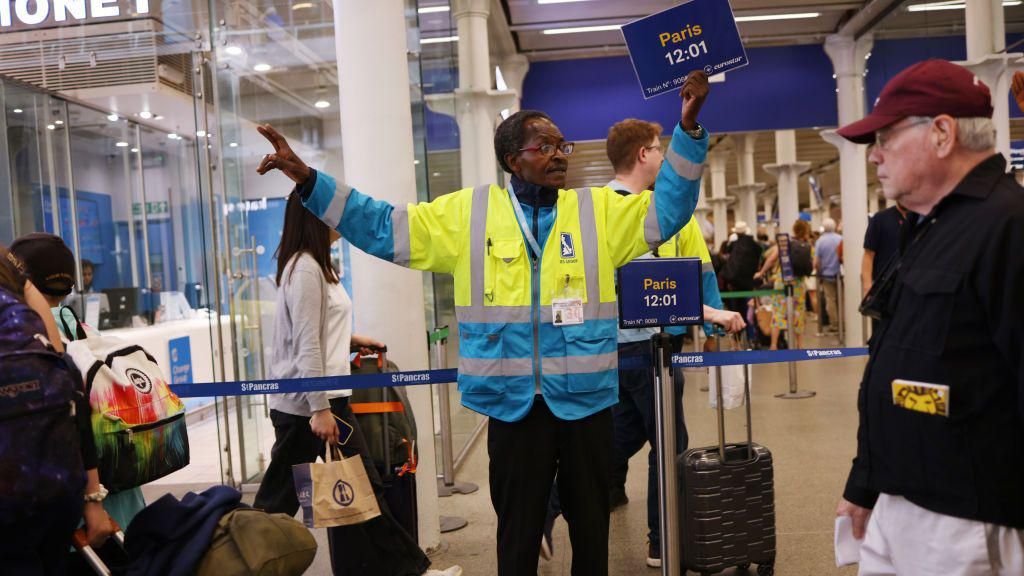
(653, 555)
(618, 497)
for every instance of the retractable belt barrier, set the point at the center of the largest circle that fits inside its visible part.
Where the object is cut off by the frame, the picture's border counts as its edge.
(415, 378)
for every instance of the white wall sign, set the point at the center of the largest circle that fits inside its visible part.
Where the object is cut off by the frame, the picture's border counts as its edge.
(23, 13)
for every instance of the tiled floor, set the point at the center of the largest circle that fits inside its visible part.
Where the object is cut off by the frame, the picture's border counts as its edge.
(812, 442)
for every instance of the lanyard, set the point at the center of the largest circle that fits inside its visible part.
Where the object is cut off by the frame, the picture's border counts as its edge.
(525, 227)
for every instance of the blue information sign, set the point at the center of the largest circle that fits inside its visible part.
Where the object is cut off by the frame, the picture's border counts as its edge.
(697, 35)
(661, 292)
(1017, 154)
(784, 257)
(180, 352)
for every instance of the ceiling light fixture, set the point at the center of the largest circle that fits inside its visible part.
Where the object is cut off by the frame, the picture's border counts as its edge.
(579, 29)
(121, 144)
(145, 114)
(51, 127)
(233, 145)
(58, 122)
(17, 110)
(173, 136)
(262, 67)
(441, 40)
(233, 50)
(201, 133)
(770, 17)
(135, 150)
(302, 6)
(558, 1)
(322, 104)
(950, 5)
(113, 117)
(433, 9)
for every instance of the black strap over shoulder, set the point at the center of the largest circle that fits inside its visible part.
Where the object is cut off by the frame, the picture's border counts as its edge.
(79, 333)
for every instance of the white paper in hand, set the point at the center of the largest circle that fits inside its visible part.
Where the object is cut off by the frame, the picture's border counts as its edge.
(847, 547)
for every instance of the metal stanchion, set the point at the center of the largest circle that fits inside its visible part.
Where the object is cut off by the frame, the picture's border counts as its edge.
(793, 393)
(668, 485)
(446, 484)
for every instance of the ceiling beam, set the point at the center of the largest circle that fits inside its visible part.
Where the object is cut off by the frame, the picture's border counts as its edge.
(865, 19)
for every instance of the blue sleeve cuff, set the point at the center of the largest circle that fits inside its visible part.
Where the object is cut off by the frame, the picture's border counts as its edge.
(306, 188)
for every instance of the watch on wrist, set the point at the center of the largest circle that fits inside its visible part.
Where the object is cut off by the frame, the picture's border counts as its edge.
(97, 496)
(696, 133)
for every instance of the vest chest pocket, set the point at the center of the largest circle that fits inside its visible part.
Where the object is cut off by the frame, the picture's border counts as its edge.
(924, 309)
(480, 359)
(507, 272)
(590, 351)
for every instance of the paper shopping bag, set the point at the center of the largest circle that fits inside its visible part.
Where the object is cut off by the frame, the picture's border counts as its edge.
(335, 493)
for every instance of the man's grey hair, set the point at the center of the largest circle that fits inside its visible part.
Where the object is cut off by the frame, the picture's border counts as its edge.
(829, 225)
(974, 134)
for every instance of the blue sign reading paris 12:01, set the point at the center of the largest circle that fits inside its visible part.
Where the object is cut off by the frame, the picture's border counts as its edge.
(697, 35)
(660, 292)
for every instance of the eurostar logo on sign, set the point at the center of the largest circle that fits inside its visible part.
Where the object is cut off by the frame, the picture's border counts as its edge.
(568, 249)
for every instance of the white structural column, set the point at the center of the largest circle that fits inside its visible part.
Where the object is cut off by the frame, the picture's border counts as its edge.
(747, 189)
(719, 201)
(787, 170)
(388, 298)
(476, 104)
(514, 69)
(770, 224)
(986, 39)
(848, 58)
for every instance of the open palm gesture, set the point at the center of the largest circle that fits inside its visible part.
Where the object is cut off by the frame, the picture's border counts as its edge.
(283, 158)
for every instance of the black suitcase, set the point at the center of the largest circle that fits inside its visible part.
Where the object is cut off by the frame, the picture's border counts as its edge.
(727, 507)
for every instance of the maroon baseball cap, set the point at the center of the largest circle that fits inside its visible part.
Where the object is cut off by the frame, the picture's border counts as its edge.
(928, 88)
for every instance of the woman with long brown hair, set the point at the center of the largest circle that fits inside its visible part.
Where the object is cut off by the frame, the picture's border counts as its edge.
(312, 337)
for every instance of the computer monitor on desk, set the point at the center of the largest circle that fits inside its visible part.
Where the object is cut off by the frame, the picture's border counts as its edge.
(126, 303)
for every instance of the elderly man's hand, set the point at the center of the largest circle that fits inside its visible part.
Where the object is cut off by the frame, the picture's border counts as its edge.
(694, 93)
(283, 158)
(1018, 89)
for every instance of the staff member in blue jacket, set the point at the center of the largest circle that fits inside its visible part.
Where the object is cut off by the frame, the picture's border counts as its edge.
(533, 268)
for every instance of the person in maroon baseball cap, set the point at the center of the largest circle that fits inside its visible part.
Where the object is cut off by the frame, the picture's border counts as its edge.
(936, 483)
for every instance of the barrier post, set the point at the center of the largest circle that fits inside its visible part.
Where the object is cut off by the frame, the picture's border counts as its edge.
(446, 485)
(668, 486)
(793, 393)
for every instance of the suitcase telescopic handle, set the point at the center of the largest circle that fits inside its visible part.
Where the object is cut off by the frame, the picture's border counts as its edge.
(80, 540)
(721, 411)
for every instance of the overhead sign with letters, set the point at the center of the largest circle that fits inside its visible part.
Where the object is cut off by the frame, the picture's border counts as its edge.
(25, 14)
(697, 35)
(661, 292)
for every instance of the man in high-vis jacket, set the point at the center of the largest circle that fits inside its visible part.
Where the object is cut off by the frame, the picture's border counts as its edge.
(534, 273)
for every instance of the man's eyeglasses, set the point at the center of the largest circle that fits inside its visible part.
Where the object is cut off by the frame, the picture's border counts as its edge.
(652, 147)
(549, 149)
(882, 139)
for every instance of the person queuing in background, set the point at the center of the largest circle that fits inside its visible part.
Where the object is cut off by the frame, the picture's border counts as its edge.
(935, 486)
(772, 270)
(312, 337)
(41, 544)
(635, 151)
(517, 257)
(743, 261)
(883, 241)
(827, 265)
(50, 265)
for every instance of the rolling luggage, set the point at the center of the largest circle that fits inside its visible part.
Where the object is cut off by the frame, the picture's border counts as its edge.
(386, 419)
(727, 506)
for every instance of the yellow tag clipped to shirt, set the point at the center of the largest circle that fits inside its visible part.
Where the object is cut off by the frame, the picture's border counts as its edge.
(921, 397)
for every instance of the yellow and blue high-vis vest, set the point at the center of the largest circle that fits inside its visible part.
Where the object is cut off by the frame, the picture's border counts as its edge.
(509, 348)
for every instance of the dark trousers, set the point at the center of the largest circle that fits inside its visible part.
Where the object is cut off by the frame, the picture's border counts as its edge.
(636, 425)
(524, 459)
(377, 547)
(40, 545)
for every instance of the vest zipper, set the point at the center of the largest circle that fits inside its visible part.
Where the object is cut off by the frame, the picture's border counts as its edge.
(536, 298)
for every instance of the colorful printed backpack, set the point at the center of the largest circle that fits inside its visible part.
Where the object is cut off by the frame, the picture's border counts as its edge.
(138, 423)
(40, 455)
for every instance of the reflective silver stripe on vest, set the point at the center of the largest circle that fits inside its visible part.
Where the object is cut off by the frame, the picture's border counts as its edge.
(400, 231)
(652, 228)
(591, 260)
(488, 367)
(501, 314)
(707, 267)
(682, 166)
(580, 364)
(477, 243)
(332, 216)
